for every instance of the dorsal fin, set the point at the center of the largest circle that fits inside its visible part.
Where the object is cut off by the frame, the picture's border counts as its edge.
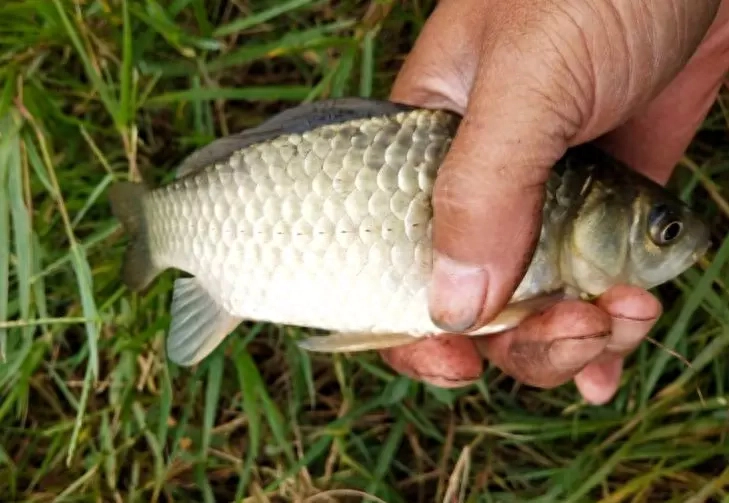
(294, 120)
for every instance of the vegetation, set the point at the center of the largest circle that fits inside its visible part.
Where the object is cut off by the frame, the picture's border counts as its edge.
(94, 91)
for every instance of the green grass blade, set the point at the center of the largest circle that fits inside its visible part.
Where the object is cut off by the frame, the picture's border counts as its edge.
(289, 93)
(203, 485)
(249, 379)
(6, 96)
(154, 446)
(367, 69)
(245, 23)
(387, 455)
(88, 305)
(277, 424)
(212, 394)
(107, 444)
(157, 18)
(711, 353)
(126, 103)
(98, 192)
(77, 485)
(343, 74)
(291, 43)
(21, 227)
(5, 147)
(80, 416)
(315, 452)
(12, 470)
(679, 328)
(98, 83)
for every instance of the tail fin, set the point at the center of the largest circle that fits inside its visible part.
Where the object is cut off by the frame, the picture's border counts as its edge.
(138, 270)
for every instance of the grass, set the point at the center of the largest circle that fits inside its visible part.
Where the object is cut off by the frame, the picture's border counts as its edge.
(103, 90)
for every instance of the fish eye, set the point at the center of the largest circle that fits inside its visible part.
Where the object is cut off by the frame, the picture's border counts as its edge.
(665, 225)
(671, 231)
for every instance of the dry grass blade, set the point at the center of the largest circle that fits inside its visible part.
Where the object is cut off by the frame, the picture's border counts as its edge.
(5, 251)
(458, 481)
(331, 494)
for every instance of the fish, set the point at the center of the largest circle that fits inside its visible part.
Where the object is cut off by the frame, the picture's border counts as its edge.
(321, 217)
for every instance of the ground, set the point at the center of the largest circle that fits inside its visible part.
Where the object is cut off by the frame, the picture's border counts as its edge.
(95, 91)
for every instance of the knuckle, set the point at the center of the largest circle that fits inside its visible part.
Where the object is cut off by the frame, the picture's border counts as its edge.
(529, 364)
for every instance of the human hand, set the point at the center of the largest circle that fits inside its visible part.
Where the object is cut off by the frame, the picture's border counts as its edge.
(532, 78)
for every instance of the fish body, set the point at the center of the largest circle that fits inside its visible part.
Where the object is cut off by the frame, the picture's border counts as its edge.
(321, 217)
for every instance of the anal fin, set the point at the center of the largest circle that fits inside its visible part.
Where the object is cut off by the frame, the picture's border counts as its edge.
(199, 324)
(343, 342)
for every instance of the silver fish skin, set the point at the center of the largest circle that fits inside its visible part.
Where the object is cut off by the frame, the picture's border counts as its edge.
(321, 217)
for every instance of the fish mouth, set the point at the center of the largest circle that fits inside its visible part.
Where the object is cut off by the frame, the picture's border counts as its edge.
(691, 258)
(703, 249)
(700, 253)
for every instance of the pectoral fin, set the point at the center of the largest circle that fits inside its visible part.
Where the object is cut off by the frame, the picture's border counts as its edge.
(199, 323)
(343, 342)
(514, 314)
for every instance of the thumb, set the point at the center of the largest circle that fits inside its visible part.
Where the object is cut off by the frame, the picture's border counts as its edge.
(490, 189)
(487, 202)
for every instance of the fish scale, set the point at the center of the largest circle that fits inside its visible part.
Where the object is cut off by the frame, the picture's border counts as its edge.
(382, 215)
(322, 217)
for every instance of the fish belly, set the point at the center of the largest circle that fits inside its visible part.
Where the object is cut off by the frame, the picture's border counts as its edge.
(339, 290)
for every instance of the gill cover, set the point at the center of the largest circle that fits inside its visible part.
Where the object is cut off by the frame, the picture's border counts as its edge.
(625, 228)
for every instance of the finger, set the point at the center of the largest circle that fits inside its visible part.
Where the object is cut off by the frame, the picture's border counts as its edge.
(549, 349)
(447, 361)
(439, 72)
(598, 382)
(633, 313)
(653, 141)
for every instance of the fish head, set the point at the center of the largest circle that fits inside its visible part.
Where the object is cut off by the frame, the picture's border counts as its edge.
(627, 229)
(667, 238)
